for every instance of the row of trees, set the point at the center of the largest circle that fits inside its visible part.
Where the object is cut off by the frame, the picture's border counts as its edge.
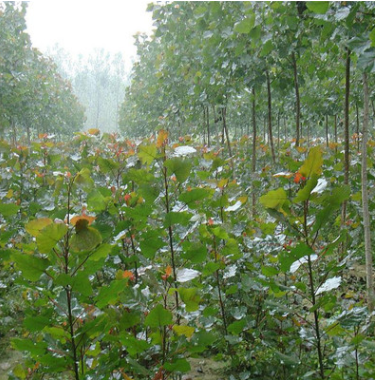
(34, 98)
(98, 80)
(227, 68)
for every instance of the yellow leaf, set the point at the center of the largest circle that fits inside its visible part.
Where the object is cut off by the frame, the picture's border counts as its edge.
(188, 331)
(93, 131)
(162, 138)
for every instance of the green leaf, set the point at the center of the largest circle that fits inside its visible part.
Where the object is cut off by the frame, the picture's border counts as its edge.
(270, 271)
(304, 193)
(237, 327)
(108, 295)
(106, 165)
(82, 284)
(147, 153)
(201, 340)
(313, 164)
(8, 209)
(267, 48)
(36, 323)
(331, 203)
(191, 298)
(196, 253)
(179, 365)
(83, 180)
(159, 317)
(101, 252)
(319, 7)
(181, 168)
(245, 25)
(35, 226)
(220, 233)
(29, 345)
(193, 196)
(85, 239)
(151, 242)
(97, 202)
(49, 236)
(372, 37)
(32, 267)
(287, 258)
(274, 199)
(173, 218)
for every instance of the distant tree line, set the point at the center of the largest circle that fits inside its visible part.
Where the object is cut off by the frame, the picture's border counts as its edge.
(99, 81)
(34, 98)
(270, 69)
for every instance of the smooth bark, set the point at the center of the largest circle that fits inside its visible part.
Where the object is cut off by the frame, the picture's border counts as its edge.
(365, 201)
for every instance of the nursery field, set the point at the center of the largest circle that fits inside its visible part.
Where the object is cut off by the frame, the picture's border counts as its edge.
(145, 259)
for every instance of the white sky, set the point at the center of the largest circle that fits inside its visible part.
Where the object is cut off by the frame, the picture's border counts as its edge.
(82, 26)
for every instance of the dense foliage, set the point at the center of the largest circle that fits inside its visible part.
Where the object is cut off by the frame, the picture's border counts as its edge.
(128, 258)
(34, 99)
(99, 81)
(132, 256)
(211, 65)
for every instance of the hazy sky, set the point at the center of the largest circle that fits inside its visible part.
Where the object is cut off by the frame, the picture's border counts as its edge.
(81, 26)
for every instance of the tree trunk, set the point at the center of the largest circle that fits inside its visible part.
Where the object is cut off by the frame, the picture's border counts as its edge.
(346, 133)
(204, 125)
(270, 116)
(298, 105)
(225, 129)
(357, 130)
(208, 126)
(327, 138)
(278, 135)
(365, 205)
(254, 153)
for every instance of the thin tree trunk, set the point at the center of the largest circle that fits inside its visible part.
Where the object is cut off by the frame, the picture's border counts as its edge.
(357, 130)
(270, 116)
(278, 135)
(286, 131)
(225, 129)
(346, 133)
(14, 129)
(204, 125)
(254, 153)
(327, 138)
(208, 126)
(365, 205)
(336, 129)
(298, 105)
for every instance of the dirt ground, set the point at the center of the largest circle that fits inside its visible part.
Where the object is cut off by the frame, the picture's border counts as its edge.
(205, 369)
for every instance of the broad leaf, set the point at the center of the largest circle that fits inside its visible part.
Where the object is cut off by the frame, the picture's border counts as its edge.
(35, 226)
(181, 168)
(32, 267)
(319, 7)
(159, 317)
(147, 153)
(274, 199)
(49, 236)
(313, 164)
(245, 25)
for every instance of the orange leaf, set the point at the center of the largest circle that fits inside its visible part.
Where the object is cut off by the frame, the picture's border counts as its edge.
(93, 131)
(299, 177)
(162, 138)
(79, 218)
(128, 274)
(168, 270)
